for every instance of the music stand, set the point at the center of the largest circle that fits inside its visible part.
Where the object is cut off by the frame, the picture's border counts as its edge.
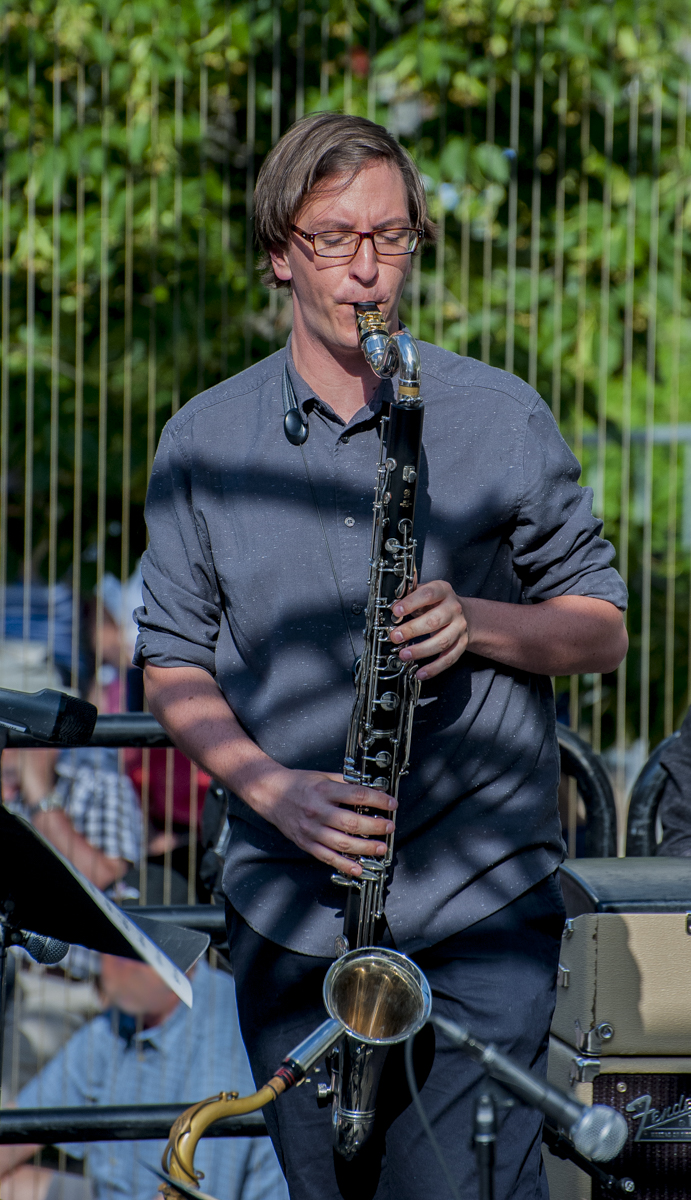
(42, 892)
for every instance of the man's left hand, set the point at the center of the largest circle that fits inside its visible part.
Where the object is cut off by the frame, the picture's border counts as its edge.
(564, 635)
(438, 616)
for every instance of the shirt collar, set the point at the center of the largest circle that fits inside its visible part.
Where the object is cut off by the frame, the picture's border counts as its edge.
(308, 399)
(170, 1030)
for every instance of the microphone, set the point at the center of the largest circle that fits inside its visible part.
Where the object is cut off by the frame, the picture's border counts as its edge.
(49, 715)
(46, 950)
(597, 1132)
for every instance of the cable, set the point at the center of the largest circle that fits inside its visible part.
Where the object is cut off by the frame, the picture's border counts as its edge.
(424, 1119)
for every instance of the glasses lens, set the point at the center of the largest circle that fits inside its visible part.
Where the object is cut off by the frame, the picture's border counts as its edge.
(395, 241)
(340, 244)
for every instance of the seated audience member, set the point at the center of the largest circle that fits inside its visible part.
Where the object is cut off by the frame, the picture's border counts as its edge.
(79, 799)
(148, 1048)
(81, 803)
(674, 808)
(172, 788)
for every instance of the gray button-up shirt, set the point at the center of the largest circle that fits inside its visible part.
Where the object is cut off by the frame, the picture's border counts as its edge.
(238, 581)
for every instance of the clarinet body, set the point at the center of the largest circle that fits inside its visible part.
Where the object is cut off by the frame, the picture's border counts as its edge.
(379, 734)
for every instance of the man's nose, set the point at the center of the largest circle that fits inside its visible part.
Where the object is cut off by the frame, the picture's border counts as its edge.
(364, 265)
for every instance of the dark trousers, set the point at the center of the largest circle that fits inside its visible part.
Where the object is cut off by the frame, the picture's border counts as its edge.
(498, 978)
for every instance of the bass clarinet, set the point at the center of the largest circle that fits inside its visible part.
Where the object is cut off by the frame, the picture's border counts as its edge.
(375, 997)
(381, 724)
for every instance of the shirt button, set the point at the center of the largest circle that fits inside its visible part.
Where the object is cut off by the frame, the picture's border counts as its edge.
(356, 609)
(349, 521)
(345, 439)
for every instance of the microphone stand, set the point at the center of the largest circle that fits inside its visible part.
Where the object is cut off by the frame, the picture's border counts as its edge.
(508, 1080)
(561, 1147)
(3, 994)
(484, 1141)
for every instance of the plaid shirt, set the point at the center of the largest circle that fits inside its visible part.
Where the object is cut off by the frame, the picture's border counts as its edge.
(100, 802)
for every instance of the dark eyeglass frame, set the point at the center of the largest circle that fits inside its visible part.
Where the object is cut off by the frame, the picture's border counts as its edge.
(361, 235)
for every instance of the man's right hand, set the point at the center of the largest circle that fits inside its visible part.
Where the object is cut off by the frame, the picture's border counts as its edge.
(315, 810)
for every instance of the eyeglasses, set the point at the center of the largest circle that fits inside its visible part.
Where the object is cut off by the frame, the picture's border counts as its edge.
(345, 243)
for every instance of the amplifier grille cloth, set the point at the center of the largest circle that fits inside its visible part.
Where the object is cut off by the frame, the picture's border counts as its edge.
(658, 1110)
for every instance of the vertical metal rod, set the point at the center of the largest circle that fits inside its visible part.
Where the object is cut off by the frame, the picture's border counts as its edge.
(300, 71)
(250, 139)
(103, 362)
(3, 993)
(627, 371)
(78, 385)
(535, 208)
(415, 294)
(276, 75)
(324, 60)
(54, 354)
(348, 67)
(673, 494)
(177, 226)
(582, 318)
(603, 372)
(572, 815)
(168, 825)
(465, 275)
(201, 258)
(145, 797)
(192, 854)
(488, 230)
(514, 118)
(559, 244)
(574, 682)
(152, 355)
(416, 273)
(5, 336)
(30, 350)
(225, 231)
(605, 283)
(372, 76)
(651, 363)
(127, 404)
(439, 277)
(275, 134)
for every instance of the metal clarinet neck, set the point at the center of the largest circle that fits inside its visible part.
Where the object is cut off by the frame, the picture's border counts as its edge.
(390, 353)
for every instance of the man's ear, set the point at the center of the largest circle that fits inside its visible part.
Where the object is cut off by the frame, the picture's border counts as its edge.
(279, 262)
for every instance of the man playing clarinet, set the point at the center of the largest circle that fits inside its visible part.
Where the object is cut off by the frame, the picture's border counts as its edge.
(254, 609)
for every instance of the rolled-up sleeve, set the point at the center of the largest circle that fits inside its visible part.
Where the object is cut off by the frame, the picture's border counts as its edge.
(179, 618)
(556, 542)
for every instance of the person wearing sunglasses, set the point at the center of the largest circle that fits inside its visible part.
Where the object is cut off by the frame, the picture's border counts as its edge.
(255, 586)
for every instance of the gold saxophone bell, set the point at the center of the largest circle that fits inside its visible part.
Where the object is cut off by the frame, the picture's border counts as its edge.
(178, 1156)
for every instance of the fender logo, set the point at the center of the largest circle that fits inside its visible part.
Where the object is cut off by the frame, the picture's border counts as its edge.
(673, 1124)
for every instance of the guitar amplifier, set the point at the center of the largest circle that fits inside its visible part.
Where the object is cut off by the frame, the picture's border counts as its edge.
(621, 1033)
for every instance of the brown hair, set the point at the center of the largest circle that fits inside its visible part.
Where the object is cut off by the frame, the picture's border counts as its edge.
(314, 150)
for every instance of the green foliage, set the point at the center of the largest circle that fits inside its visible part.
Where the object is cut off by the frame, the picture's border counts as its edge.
(143, 125)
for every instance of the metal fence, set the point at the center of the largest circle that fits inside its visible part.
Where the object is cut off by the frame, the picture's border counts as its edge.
(555, 148)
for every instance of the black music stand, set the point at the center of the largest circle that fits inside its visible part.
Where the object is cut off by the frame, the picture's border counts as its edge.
(42, 892)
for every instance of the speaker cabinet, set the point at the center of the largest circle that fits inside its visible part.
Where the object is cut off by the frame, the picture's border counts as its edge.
(654, 1095)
